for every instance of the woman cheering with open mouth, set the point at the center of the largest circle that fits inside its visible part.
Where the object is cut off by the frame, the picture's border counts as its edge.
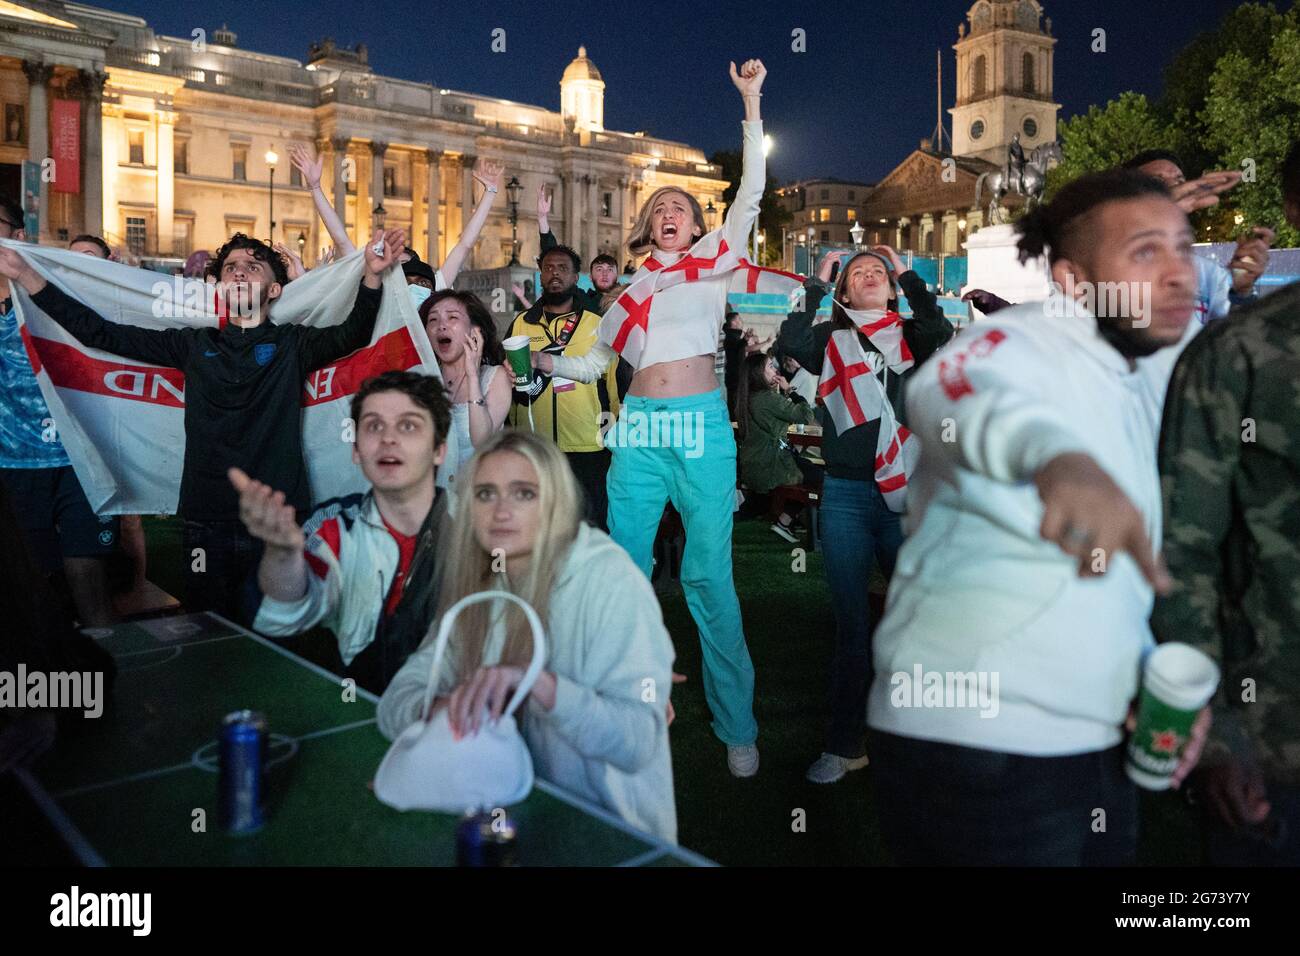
(666, 326)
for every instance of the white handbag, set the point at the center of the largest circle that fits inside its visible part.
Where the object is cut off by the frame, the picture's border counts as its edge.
(426, 768)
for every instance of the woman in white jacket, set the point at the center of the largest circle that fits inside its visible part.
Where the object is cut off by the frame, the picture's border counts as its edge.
(595, 720)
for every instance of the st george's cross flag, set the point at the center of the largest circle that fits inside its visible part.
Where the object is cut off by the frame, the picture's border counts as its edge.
(853, 395)
(626, 322)
(122, 421)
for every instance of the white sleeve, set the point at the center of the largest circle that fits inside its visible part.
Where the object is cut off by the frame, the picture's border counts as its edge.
(585, 368)
(985, 403)
(285, 618)
(1219, 282)
(439, 281)
(743, 211)
(403, 700)
(615, 710)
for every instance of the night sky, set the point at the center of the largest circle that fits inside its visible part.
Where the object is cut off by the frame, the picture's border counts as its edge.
(852, 106)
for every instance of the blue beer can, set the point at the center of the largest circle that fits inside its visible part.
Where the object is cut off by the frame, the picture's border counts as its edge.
(242, 777)
(486, 838)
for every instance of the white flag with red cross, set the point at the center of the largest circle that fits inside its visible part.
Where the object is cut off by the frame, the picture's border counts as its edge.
(626, 323)
(122, 421)
(853, 396)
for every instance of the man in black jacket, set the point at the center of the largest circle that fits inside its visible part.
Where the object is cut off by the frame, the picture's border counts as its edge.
(243, 385)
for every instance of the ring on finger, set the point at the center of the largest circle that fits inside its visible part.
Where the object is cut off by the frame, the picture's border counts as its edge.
(1076, 537)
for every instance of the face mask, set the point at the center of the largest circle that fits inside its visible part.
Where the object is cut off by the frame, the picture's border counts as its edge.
(418, 294)
(426, 768)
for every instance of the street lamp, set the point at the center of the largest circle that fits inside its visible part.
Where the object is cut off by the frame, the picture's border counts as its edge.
(271, 160)
(379, 215)
(513, 191)
(302, 243)
(1238, 219)
(710, 211)
(857, 232)
(961, 224)
(812, 251)
(762, 246)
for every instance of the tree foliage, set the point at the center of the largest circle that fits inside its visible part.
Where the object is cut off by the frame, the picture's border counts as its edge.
(1231, 101)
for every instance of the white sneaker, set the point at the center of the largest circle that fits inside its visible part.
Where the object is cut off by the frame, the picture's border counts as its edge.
(742, 761)
(828, 768)
(784, 532)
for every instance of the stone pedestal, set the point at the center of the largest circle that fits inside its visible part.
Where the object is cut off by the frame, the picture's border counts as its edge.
(993, 265)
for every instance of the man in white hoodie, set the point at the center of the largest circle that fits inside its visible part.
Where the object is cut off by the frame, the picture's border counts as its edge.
(1017, 618)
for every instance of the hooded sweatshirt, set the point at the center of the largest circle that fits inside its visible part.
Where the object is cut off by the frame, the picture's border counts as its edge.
(977, 591)
(606, 738)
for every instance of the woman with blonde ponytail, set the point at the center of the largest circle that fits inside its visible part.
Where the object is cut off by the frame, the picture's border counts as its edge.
(595, 720)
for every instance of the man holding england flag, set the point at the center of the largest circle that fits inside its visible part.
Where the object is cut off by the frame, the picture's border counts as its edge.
(242, 386)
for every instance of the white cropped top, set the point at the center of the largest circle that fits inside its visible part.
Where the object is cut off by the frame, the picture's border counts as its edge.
(685, 318)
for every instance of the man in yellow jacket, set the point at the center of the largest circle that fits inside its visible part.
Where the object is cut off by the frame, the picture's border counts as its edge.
(570, 413)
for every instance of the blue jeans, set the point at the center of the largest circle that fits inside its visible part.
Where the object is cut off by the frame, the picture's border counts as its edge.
(857, 529)
(684, 452)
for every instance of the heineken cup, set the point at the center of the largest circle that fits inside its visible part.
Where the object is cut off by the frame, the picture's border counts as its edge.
(1177, 682)
(519, 356)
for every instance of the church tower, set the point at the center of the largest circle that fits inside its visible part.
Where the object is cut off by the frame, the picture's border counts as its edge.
(1004, 80)
(582, 94)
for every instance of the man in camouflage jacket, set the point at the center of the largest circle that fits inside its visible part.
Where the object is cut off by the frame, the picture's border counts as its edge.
(1230, 467)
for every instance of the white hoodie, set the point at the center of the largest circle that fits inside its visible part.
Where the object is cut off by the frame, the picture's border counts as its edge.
(606, 739)
(976, 588)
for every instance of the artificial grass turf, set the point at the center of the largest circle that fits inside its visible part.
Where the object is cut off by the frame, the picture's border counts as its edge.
(789, 628)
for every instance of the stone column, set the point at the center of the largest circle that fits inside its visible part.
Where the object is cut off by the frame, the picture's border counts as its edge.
(91, 87)
(573, 211)
(433, 200)
(950, 238)
(377, 151)
(38, 130)
(339, 145)
(467, 161)
(621, 254)
(900, 234)
(165, 178)
(592, 239)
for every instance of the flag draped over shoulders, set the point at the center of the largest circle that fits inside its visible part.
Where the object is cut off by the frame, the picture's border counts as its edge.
(122, 421)
(626, 322)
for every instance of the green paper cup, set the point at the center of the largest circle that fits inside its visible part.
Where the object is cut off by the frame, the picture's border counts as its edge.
(1177, 681)
(518, 354)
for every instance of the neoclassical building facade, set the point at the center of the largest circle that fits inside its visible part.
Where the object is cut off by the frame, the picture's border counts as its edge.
(173, 139)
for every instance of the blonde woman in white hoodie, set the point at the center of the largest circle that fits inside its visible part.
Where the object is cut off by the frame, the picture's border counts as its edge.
(1009, 653)
(595, 720)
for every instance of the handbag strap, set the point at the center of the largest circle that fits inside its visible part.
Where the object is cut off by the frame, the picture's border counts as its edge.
(444, 635)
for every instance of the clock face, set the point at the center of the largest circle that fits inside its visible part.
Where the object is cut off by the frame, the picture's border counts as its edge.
(1030, 127)
(977, 129)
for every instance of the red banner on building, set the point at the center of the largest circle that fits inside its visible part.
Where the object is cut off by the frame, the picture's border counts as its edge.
(65, 145)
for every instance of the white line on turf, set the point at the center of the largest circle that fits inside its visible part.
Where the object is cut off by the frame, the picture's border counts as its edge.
(163, 771)
(648, 856)
(177, 647)
(75, 839)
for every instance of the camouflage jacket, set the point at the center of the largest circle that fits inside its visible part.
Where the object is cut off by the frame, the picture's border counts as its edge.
(1230, 473)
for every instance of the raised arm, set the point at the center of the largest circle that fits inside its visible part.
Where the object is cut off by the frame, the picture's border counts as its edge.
(548, 240)
(310, 166)
(742, 213)
(319, 347)
(157, 346)
(488, 173)
(928, 328)
(797, 336)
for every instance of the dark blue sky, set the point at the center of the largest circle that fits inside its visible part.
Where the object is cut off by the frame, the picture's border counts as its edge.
(852, 106)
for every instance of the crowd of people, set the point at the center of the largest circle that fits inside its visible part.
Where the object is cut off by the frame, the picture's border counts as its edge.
(980, 473)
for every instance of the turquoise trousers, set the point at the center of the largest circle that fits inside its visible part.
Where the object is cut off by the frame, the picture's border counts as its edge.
(682, 450)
